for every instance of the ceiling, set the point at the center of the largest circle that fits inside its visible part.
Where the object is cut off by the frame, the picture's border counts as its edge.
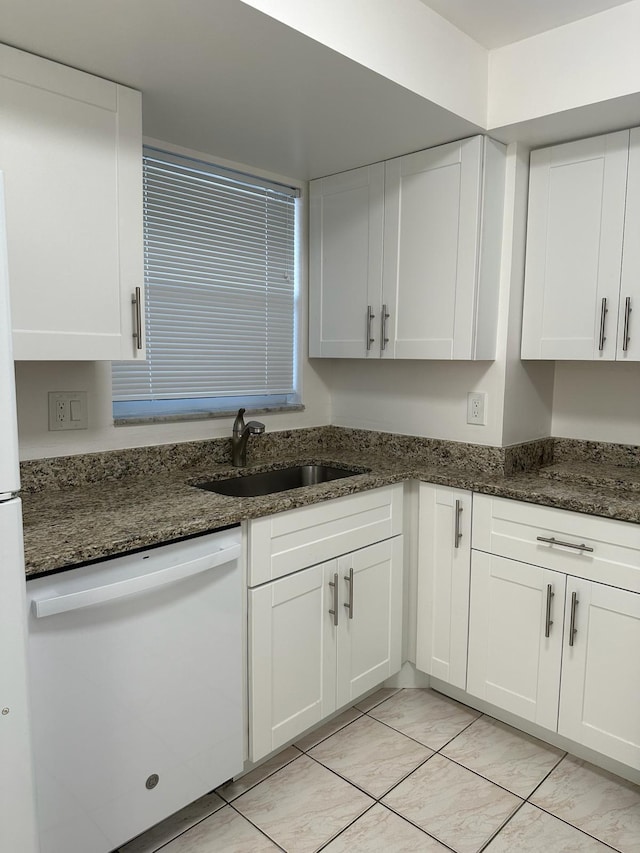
(220, 77)
(494, 23)
(223, 78)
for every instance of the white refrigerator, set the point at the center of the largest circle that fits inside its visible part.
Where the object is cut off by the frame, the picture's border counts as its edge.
(18, 832)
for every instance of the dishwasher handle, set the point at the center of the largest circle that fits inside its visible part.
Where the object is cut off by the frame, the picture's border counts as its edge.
(141, 583)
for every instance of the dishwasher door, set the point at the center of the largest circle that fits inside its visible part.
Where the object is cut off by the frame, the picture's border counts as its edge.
(136, 687)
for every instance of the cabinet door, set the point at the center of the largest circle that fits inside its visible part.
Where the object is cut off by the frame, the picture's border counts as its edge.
(512, 663)
(574, 249)
(345, 263)
(71, 153)
(292, 656)
(444, 557)
(629, 310)
(600, 693)
(369, 631)
(431, 232)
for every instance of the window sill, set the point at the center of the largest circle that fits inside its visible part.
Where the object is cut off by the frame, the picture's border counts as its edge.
(206, 416)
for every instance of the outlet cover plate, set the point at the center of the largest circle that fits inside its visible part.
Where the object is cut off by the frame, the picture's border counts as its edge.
(68, 410)
(477, 408)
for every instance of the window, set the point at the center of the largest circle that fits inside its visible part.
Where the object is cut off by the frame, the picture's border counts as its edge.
(219, 293)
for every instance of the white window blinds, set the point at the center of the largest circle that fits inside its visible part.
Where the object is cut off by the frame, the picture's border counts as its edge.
(219, 289)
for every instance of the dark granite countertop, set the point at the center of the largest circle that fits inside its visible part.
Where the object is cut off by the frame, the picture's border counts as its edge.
(74, 525)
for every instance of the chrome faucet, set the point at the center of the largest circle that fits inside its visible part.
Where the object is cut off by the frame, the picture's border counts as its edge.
(240, 436)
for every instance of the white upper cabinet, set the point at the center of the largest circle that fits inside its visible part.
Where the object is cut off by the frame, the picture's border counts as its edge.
(405, 256)
(628, 340)
(577, 245)
(442, 241)
(345, 263)
(71, 153)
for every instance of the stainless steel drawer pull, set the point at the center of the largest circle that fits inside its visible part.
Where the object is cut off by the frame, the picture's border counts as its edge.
(625, 333)
(334, 584)
(553, 541)
(572, 623)
(603, 314)
(457, 535)
(385, 317)
(370, 319)
(349, 604)
(548, 622)
(136, 301)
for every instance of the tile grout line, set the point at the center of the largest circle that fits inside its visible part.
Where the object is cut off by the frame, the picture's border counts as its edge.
(500, 828)
(355, 785)
(347, 781)
(337, 731)
(409, 821)
(378, 799)
(255, 826)
(348, 826)
(542, 781)
(484, 778)
(452, 760)
(573, 826)
(388, 725)
(178, 834)
(566, 822)
(268, 776)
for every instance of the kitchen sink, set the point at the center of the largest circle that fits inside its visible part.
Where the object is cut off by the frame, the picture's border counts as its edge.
(281, 480)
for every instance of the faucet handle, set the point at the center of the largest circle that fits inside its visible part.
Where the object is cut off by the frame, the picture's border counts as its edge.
(238, 424)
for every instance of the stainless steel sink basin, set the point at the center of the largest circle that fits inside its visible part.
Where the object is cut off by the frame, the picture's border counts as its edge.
(277, 481)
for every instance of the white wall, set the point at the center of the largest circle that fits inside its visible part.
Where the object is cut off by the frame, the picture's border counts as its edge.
(35, 379)
(528, 386)
(589, 61)
(402, 40)
(426, 398)
(597, 401)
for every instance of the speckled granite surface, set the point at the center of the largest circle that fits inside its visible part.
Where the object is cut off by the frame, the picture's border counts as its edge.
(84, 508)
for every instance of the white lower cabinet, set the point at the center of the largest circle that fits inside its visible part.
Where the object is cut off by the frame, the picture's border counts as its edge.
(323, 635)
(600, 693)
(292, 651)
(320, 638)
(369, 629)
(554, 647)
(444, 552)
(515, 637)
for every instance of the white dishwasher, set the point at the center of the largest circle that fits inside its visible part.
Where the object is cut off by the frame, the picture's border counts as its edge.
(136, 688)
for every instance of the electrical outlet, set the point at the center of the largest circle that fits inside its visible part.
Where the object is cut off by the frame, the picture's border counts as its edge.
(476, 408)
(67, 410)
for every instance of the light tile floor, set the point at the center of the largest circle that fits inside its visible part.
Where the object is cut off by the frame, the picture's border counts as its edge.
(410, 770)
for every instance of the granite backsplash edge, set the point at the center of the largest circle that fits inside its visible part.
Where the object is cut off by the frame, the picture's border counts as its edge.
(62, 472)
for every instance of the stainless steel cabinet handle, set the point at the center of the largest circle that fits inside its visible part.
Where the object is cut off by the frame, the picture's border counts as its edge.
(349, 604)
(553, 541)
(572, 623)
(136, 301)
(603, 314)
(457, 534)
(548, 622)
(370, 318)
(625, 333)
(334, 584)
(385, 317)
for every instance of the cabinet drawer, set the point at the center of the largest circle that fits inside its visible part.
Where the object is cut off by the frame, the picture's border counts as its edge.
(283, 543)
(512, 529)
